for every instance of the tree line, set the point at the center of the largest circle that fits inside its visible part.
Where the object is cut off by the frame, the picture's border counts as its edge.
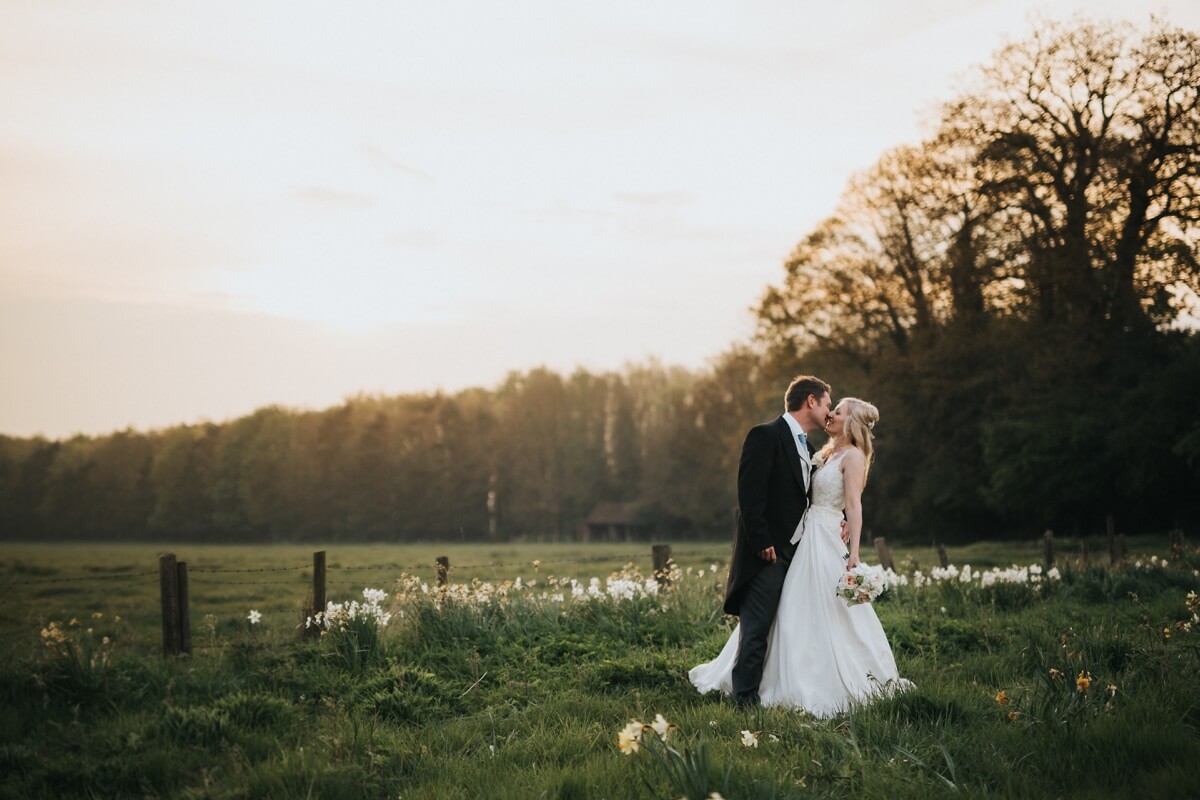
(530, 458)
(1017, 293)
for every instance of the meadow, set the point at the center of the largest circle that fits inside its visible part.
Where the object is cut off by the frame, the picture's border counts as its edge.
(515, 682)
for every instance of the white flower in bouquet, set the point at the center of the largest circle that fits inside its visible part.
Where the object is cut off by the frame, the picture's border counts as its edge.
(861, 584)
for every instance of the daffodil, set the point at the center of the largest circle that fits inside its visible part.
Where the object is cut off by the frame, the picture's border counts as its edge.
(661, 726)
(1083, 681)
(1001, 698)
(749, 739)
(630, 736)
(254, 616)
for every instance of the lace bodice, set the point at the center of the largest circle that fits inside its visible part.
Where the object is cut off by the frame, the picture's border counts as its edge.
(828, 490)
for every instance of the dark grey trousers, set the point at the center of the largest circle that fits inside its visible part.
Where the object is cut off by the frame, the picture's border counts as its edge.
(759, 605)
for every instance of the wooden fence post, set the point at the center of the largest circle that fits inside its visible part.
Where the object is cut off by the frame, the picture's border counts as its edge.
(1048, 538)
(1116, 549)
(1176, 544)
(185, 616)
(660, 555)
(443, 570)
(168, 579)
(882, 551)
(1110, 528)
(943, 559)
(318, 591)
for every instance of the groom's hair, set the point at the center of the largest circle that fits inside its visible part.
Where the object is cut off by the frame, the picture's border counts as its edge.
(801, 387)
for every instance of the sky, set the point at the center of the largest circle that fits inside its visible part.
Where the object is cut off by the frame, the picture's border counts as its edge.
(207, 208)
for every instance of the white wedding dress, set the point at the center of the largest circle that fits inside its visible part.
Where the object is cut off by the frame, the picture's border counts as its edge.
(822, 655)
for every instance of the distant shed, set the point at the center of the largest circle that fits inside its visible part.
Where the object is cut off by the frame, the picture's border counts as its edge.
(613, 522)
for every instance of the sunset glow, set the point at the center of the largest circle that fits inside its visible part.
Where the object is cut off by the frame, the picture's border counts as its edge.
(209, 210)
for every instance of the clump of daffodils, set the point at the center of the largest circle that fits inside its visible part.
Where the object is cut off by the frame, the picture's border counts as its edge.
(685, 767)
(630, 737)
(339, 616)
(628, 583)
(1016, 574)
(75, 643)
(1193, 608)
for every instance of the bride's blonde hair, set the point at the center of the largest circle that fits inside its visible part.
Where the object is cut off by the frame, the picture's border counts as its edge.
(858, 430)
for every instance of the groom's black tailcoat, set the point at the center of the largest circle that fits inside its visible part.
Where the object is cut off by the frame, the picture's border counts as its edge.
(771, 502)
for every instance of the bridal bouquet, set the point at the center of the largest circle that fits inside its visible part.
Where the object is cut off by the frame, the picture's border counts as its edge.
(862, 584)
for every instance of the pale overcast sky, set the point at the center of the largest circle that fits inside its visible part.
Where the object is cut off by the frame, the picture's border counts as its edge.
(210, 207)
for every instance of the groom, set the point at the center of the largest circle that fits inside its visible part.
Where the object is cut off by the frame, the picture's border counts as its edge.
(773, 480)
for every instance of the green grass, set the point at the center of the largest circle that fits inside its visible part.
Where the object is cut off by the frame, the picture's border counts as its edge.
(523, 697)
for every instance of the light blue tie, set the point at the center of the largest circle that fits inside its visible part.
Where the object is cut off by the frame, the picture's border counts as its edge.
(803, 441)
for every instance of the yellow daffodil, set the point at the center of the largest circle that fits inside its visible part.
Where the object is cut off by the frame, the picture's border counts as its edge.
(629, 737)
(1001, 698)
(1055, 673)
(1012, 716)
(1083, 681)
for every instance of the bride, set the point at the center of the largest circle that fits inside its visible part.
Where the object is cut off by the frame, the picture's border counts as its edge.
(822, 655)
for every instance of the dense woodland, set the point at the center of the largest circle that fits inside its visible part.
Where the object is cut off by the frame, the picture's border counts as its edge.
(1017, 293)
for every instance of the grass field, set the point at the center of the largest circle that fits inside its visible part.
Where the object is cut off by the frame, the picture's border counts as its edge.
(59, 581)
(1084, 687)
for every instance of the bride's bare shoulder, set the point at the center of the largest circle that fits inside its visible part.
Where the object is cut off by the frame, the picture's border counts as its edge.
(853, 458)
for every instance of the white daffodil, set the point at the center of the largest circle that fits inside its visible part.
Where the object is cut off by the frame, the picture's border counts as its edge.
(661, 726)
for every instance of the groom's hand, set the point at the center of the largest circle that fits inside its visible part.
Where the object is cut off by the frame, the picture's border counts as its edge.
(767, 555)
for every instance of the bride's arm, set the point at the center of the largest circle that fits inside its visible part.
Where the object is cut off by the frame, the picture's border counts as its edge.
(853, 468)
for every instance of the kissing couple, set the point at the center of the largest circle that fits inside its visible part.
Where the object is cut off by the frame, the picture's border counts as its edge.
(797, 643)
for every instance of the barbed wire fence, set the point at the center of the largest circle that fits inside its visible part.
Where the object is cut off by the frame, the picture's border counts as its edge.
(175, 579)
(176, 582)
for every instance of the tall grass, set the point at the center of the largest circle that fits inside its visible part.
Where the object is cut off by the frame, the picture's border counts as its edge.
(514, 693)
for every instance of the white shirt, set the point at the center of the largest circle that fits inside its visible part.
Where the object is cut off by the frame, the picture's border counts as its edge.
(805, 458)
